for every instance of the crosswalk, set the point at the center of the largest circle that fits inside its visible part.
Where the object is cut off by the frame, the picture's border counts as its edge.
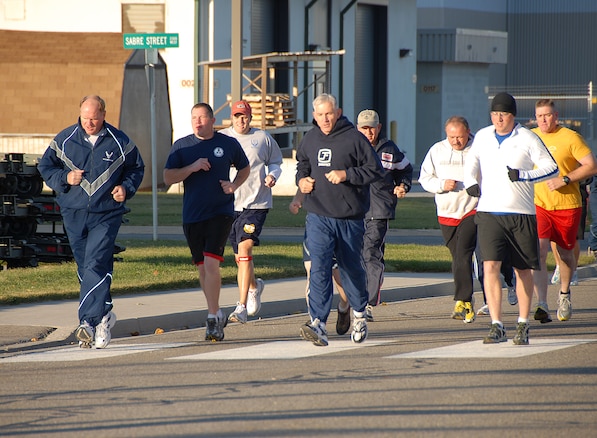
(297, 349)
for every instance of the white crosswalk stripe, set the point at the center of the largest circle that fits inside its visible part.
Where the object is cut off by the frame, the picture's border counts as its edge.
(296, 349)
(74, 353)
(280, 350)
(477, 349)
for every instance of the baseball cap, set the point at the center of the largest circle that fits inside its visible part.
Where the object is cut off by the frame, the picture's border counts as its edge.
(367, 118)
(241, 107)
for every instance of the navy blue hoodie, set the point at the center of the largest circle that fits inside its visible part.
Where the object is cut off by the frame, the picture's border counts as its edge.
(344, 148)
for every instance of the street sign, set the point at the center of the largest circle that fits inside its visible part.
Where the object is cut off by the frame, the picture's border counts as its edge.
(149, 40)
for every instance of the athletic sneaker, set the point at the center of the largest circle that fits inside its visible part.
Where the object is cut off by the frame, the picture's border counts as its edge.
(555, 278)
(359, 330)
(458, 312)
(497, 334)
(103, 334)
(85, 334)
(469, 312)
(591, 253)
(483, 310)
(239, 314)
(343, 322)
(512, 298)
(542, 313)
(574, 279)
(522, 334)
(215, 327)
(315, 332)
(369, 313)
(564, 307)
(254, 298)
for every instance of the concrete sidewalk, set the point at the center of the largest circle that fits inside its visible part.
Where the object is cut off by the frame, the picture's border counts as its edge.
(53, 323)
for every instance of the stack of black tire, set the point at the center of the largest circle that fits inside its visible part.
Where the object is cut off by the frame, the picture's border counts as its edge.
(24, 207)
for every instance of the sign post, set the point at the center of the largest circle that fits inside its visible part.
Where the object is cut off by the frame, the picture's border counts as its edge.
(151, 42)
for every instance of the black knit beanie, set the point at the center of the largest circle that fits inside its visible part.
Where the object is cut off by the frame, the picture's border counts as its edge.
(504, 102)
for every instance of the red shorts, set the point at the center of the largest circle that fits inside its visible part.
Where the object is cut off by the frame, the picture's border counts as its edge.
(559, 226)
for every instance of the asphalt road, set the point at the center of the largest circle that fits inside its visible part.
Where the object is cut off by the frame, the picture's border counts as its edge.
(419, 373)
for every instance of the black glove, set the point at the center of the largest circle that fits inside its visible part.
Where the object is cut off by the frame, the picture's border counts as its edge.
(474, 190)
(513, 174)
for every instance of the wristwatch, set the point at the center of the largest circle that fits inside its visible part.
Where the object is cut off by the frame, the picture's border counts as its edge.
(566, 180)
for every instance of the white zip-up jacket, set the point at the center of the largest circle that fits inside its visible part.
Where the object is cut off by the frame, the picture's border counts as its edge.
(441, 163)
(487, 165)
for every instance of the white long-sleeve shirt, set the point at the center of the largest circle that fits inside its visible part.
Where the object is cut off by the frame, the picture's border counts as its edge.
(265, 159)
(487, 165)
(443, 163)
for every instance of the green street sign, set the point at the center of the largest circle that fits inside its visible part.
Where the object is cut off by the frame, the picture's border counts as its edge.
(150, 40)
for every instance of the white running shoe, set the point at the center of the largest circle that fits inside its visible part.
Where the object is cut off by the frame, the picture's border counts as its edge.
(103, 336)
(483, 310)
(239, 314)
(555, 278)
(359, 330)
(315, 332)
(254, 298)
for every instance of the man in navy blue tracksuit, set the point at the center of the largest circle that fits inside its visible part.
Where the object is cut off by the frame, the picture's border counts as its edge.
(335, 166)
(94, 168)
(396, 183)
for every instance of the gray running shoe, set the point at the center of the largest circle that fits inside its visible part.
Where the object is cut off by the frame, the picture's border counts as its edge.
(239, 314)
(564, 307)
(359, 330)
(512, 298)
(574, 279)
(343, 322)
(522, 334)
(103, 334)
(85, 334)
(215, 328)
(497, 334)
(542, 313)
(315, 332)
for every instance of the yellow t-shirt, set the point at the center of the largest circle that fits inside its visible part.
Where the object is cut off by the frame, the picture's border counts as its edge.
(567, 147)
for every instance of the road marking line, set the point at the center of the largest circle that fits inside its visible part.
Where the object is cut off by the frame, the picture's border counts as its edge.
(477, 349)
(280, 350)
(75, 353)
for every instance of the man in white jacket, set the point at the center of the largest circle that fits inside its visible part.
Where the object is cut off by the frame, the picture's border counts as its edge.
(442, 173)
(502, 167)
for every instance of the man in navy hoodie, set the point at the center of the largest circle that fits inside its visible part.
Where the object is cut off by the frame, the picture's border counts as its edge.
(335, 166)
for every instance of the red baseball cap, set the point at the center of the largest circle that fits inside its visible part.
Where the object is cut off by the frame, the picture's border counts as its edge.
(241, 107)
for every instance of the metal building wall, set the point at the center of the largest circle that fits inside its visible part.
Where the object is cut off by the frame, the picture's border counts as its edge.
(551, 42)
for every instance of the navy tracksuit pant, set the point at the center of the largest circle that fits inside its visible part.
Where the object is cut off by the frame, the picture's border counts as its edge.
(374, 242)
(92, 237)
(343, 238)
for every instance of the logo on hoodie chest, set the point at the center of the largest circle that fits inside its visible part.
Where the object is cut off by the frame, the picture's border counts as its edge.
(324, 158)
